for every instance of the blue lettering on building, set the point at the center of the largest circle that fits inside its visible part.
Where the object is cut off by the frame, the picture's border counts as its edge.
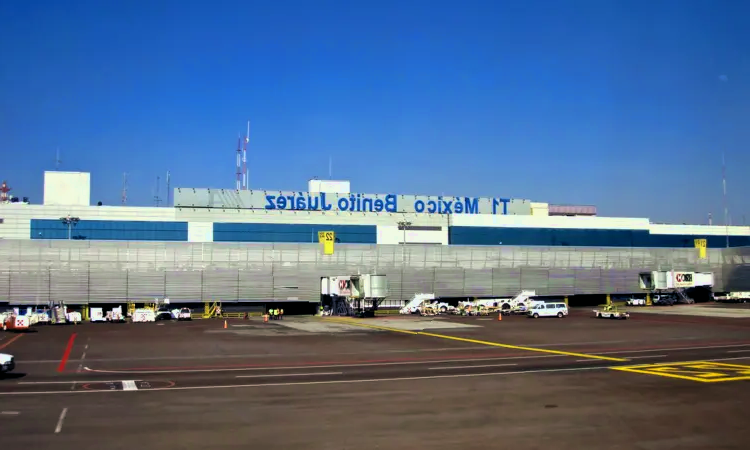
(389, 203)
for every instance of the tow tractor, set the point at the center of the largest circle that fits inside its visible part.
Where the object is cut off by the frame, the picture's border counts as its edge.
(15, 322)
(611, 312)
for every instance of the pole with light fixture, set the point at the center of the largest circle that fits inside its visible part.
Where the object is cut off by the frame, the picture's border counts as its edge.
(70, 222)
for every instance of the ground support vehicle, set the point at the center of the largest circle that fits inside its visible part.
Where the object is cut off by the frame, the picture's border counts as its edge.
(7, 363)
(611, 312)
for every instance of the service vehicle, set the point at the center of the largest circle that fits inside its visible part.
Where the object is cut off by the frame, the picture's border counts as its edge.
(16, 322)
(557, 309)
(636, 301)
(611, 312)
(183, 314)
(7, 363)
(733, 297)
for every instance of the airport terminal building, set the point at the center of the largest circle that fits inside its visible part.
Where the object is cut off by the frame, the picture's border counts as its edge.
(255, 245)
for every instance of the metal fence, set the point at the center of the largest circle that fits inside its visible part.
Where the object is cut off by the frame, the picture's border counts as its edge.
(101, 272)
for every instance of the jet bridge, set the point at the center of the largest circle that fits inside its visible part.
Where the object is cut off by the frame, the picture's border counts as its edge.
(353, 295)
(673, 280)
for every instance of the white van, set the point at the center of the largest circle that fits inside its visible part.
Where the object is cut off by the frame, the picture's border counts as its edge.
(548, 310)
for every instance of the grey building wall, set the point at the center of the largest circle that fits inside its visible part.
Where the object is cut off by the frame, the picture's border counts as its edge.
(736, 269)
(34, 272)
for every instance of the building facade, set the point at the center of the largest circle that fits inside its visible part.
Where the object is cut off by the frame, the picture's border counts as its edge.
(262, 245)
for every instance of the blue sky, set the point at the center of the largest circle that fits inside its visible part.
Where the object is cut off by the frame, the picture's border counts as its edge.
(626, 105)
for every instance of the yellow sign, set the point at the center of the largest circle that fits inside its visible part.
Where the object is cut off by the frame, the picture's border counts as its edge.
(703, 371)
(700, 244)
(327, 238)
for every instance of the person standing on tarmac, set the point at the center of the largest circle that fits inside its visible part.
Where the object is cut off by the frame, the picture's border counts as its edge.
(281, 314)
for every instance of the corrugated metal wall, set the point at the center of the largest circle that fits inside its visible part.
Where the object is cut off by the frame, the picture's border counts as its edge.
(94, 271)
(737, 269)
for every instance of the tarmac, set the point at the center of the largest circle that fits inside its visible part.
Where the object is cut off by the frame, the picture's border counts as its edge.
(651, 382)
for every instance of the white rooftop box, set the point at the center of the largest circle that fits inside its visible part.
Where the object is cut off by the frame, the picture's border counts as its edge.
(329, 186)
(67, 188)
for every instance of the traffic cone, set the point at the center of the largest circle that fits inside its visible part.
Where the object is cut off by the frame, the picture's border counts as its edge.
(225, 324)
(499, 316)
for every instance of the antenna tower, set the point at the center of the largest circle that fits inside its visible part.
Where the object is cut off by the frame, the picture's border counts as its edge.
(244, 157)
(157, 200)
(4, 189)
(58, 161)
(168, 188)
(124, 188)
(239, 163)
(724, 184)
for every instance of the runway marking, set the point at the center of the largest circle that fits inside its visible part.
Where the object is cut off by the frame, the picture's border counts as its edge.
(311, 383)
(288, 374)
(129, 385)
(64, 413)
(9, 413)
(470, 367)
(474, 341)
(322, 366)
(66, 353)
(66, 382)
(702, 371)
(738, 351)
(426, 350)
(648, 356)
(11, 340)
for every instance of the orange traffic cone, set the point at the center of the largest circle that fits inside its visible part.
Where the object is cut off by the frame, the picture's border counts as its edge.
(499, 316)
(225, 324)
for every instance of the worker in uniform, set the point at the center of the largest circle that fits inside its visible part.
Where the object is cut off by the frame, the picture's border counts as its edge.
(281, 314)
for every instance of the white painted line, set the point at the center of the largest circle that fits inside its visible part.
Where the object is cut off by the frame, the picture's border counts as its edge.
(619, 352)
(471, 367)
(738, 351)
(64, 413)
(288, 375)
(9, 413)
(426, 350)
(446, 361)
(68, 382)
(311, 383)
(400, 363)
(649, 356)
(585, 360)
(129, 385)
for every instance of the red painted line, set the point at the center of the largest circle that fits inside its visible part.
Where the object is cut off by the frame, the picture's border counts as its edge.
(11, 340)
(66, 353)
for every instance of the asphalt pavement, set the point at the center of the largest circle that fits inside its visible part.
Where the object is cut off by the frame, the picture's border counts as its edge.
(397, 383)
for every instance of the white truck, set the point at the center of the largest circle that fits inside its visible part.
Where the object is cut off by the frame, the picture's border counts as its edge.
(182, 314)
(734, 297)
(7, 363)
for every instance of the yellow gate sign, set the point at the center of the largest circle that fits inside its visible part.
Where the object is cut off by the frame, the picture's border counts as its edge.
(700, 244)
(327, 238)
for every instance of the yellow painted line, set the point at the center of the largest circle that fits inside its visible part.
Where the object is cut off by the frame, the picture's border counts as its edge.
(701, 371)
(11, 340)
(474, 341)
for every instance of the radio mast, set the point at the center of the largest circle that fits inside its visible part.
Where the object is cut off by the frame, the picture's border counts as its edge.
(244, 157)
(238, 184)
(724, 184)
(124, 193)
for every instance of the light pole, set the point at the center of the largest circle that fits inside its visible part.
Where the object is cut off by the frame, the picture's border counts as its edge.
(70, 222)
(403, 224)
